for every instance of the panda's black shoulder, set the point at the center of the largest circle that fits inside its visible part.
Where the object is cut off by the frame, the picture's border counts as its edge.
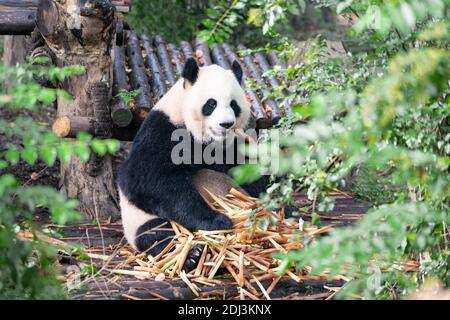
(156, 127)
(150, 152)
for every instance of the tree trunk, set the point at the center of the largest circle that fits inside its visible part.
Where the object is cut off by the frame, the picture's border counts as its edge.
(13, 52)
(82, 32)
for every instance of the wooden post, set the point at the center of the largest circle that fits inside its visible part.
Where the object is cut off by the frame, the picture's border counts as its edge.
(83, 33)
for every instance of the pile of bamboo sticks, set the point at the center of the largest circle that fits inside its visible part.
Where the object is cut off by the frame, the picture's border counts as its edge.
(244, 253)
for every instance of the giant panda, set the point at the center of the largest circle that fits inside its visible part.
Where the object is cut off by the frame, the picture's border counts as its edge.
(209, 103)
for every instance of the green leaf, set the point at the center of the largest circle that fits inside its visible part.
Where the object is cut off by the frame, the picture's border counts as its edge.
(84, 137)
(13, 156)
(315, 219)
(82, 151)
(3, 164)
(47, 96)
(112, 145)
(99, 147)
(7, 181)
(48, 155)
(29, 155)
(245, 173)
(65, 152)
(255, 16)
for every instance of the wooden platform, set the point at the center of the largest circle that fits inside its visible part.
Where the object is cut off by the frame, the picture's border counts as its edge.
(108, 252)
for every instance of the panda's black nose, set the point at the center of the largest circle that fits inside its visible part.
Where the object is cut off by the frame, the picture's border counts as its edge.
(226, 125)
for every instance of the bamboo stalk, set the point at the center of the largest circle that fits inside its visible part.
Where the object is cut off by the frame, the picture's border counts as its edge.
(191, 286)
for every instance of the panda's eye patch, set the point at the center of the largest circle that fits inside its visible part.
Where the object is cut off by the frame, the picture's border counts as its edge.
(236, 108)
(209, 107)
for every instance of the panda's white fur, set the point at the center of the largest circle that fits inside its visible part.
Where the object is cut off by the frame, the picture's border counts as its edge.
(183, 106)
(132, 218)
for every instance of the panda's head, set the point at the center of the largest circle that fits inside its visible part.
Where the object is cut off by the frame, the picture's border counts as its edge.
(214, 103)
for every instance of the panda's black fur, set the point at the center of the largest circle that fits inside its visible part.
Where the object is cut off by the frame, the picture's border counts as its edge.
(154, 184)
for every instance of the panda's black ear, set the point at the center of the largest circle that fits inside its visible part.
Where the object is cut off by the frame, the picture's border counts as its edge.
(190, 71)
(237, 70)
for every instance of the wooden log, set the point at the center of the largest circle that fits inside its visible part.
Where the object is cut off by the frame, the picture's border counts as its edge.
(165, 60)
(275, 61)
(138, 78)
(202, 53)
(262, 121)
(175, 56)
(274, 82)
(275, 114)
(70, 126)
(218, 56)
(120, 33)
(120, 111)
(27, 4)
(151, 62)
(187, 50)
(89, 44)
(20, 22)
(18, 17)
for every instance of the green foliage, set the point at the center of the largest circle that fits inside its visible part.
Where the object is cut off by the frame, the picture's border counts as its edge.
(225, 17)
(214, 21)
(26, 267)
(128, 96)
(176, 20)
(373, 186)
(380, 108)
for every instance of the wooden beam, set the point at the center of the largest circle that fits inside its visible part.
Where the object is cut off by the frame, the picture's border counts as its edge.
(120, 111)
(274, 82)
(218, 56)
(202, 53)
(175, 56)
(20, 22)
(27, 4)
(18, 17)
(165, 60)
(138, 78)
(275, 114)
(70, 126)
(187, 50)
(151, 62)
(262, 121)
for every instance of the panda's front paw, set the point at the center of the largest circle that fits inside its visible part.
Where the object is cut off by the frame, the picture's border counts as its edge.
(222, 222)
(217, 221)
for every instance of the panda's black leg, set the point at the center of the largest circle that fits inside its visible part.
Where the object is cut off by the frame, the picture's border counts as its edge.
(153, 236)
(291, 211)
